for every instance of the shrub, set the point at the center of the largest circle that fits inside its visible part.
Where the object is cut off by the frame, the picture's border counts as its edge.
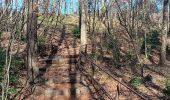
(23, 38)
(13, 72)
(40, 42)
(147, 78)
(111, 43)
(12, 90)
(136, 80)
(41, 39)
(166, 90)
(2, 63)
(14, 69)
(152, 41)
(76, 32)
(15, 63)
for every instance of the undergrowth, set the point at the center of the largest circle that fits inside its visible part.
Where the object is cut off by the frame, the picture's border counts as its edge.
(13, 71)
(76, 32)
(138, 80)
(152, 41)
(166, 90)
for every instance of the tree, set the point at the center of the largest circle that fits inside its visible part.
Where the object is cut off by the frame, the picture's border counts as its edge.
(165, 29)
(83, 24)
(31, 39)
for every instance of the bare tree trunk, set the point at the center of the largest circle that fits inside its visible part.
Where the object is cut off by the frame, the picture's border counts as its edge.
(31, 40)
(164, 30)
(93, 29)
(83, 25)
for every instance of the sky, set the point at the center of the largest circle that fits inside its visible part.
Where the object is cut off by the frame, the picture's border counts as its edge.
(18, 4)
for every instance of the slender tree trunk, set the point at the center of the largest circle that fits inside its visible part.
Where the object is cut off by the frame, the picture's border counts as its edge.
(93, 29)
(164, 30)
(83, 25)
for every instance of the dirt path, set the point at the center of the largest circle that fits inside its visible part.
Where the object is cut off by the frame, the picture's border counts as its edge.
(58, 78)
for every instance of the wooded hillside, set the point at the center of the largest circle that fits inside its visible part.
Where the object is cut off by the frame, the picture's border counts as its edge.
(84, 50)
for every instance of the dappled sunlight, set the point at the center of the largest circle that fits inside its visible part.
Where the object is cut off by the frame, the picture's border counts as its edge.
(84, 50)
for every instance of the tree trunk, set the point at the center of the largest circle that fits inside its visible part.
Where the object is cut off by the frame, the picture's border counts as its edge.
(31, 40)
(164, 30)
(83, 25)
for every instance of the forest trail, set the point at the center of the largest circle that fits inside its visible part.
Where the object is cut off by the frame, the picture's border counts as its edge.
(58, 77)
(126, 50)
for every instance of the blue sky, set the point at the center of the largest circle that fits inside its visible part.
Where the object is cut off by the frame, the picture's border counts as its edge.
(18, 4)
(68, 6)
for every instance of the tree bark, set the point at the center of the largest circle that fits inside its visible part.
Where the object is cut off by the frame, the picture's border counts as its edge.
(31, 40)
(165, 29)
(83, 25)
